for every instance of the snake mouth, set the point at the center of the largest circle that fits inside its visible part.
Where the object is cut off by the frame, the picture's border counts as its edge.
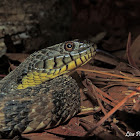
(59, 65)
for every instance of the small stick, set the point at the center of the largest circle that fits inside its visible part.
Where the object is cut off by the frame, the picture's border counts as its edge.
(112, 111)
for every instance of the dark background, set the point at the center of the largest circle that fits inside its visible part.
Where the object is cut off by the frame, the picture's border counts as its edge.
(54, 21)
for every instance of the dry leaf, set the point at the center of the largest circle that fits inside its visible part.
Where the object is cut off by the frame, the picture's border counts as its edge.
(17, 56)
(135, 50)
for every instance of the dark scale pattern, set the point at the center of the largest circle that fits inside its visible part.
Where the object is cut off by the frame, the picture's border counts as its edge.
(16, 109)
(66, 101)
(12, 111)
(51, 101)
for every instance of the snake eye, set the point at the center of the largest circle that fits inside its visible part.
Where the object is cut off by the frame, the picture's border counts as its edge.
(69, 46)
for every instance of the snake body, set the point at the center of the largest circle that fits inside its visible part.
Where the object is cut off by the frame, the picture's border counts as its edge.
(38, 94)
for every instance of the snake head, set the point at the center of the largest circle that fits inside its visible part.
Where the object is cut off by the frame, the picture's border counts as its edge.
(56, 60)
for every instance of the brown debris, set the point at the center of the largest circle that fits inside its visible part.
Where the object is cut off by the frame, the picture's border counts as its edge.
(130, 60)
(106, 91)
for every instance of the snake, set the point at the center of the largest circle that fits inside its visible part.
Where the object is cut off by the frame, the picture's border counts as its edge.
(38, 94)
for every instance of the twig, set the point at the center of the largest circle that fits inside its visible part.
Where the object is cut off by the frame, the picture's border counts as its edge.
(101, 97)
(87, 113)
(96, 95)
(111, 112)
(106, 95)
(94, 90)
(105, 73)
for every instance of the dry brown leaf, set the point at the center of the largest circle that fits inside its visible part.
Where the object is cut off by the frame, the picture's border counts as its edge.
(135, 50)
(71, 129)
(41, 136)
(17, 56)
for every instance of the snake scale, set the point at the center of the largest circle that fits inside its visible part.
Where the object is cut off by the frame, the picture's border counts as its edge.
(38, 94)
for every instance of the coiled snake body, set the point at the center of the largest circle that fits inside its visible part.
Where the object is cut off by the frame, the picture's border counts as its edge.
(38, 94)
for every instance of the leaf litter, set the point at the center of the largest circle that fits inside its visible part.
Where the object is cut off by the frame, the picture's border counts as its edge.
(108, 95)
